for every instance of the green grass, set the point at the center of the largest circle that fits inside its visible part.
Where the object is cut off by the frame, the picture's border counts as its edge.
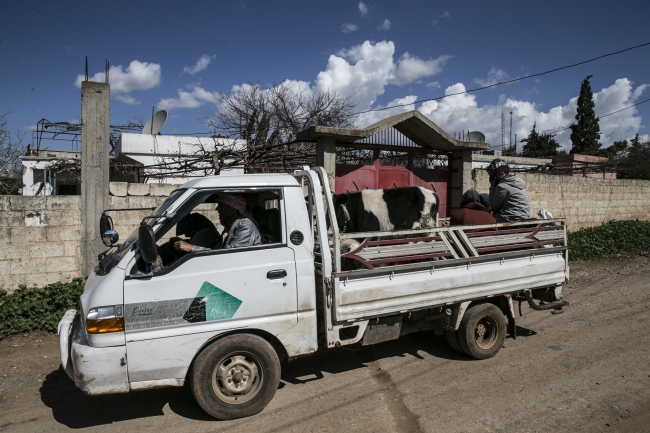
(609, 239)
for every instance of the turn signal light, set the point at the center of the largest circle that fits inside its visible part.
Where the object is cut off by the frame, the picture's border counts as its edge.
(105, 319)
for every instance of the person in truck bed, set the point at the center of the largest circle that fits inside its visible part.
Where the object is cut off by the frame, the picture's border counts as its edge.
(240, 228)
(508, 198)
(472, 212)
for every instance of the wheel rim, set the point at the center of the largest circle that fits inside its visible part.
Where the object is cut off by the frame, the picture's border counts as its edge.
(237, 378)
(486, 332)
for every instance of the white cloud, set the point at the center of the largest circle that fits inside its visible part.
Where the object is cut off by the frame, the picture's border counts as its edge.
(434, 22)
(192, 99)
(201, 65)
(411, 68)
(127, 99)
(462, 112)
(363, 9)
(347, 28)
(137, 76)
(446, 15)
(434, 85)
(385, 25)
(402, 105)
(363, 71)
(495, 75)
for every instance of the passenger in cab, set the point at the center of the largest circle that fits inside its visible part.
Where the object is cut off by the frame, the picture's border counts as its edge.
(240, 228)
(508, 198)
(472, 212)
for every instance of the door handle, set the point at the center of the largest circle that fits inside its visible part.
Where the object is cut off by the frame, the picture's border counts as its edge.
(274, 275)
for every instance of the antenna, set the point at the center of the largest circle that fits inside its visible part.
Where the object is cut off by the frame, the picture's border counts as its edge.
(510, 143)
(107, 68)
(86, 69)
(155, 122)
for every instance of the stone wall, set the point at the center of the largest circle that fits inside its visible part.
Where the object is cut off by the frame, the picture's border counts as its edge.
(40, 240)
(41, 235)
(584, 202)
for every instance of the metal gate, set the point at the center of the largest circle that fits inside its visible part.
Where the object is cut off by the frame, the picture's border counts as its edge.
(367, 166)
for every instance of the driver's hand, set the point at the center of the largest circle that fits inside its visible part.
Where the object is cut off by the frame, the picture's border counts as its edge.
(183, 246)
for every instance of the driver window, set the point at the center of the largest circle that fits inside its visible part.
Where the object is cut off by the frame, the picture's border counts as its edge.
(198, 227)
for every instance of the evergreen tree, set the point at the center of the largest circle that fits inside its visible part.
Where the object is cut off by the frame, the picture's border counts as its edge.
(636, 165)
(614, 152)
(539, 145)
(586, 132)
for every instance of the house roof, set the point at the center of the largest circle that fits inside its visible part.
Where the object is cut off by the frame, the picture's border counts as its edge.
(413, 124)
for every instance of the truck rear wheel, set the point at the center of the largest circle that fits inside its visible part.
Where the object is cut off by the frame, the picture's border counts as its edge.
(236, 376)
(482, 331)
(452, 339)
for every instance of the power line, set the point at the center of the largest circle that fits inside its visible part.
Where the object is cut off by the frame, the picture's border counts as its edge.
(604, 115)
(507, 81)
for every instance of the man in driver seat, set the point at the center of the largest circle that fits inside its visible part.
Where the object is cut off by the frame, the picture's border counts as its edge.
(240, 228)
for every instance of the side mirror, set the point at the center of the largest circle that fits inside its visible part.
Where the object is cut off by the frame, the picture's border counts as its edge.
(105, 224)
(110, 238)
(147, 240)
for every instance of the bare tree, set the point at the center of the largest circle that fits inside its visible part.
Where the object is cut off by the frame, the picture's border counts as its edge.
(10, 166)
(263, 123)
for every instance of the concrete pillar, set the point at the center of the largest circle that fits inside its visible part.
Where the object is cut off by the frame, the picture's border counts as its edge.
(461, 178)
(326, 157)
(95, 132)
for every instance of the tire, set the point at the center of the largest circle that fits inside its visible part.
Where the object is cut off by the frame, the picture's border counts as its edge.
(452, 338)
(482, 331)
(236, 376)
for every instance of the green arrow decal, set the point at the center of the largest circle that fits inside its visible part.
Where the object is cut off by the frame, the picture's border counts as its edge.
(219, 305)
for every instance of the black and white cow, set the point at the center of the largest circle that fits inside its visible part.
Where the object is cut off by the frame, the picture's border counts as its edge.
(386, 209)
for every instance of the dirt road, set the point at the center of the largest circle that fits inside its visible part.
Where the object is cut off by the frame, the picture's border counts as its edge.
(587, 370)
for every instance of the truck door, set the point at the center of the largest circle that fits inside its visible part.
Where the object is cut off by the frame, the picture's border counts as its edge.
(172, 314)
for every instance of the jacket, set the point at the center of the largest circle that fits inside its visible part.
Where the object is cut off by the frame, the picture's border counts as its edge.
(509, 200)
(242, 233)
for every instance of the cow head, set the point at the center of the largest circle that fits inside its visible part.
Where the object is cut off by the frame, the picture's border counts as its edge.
(342, 214)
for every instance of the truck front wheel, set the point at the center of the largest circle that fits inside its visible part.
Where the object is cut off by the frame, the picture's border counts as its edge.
(236, 376)
(482, 331)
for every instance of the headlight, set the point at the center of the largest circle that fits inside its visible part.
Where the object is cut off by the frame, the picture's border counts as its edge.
(101, 320)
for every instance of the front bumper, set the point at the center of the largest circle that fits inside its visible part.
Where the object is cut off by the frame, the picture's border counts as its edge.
(95, 370)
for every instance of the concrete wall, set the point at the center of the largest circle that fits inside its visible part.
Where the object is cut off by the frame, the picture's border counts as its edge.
(585, 202)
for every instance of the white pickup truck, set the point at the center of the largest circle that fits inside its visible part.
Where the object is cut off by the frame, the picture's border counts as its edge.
(223, 319)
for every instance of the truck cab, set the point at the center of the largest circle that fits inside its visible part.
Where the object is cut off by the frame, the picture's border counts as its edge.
(141, 326)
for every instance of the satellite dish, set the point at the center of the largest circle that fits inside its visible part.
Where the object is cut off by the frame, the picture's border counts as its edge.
(155, 123)
(476, 137)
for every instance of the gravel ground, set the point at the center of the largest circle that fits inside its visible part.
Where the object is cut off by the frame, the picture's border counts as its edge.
(587, 370)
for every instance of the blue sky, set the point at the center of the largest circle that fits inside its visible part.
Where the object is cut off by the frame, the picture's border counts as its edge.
(182, 55)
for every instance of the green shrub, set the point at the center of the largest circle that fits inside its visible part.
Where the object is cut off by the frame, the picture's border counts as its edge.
(611, 238)
(28, 309)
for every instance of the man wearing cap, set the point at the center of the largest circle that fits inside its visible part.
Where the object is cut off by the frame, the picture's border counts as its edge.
(508, 198)
(240, 228)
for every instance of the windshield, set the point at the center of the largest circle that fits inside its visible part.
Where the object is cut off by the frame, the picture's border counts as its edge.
(120, 251)
(160, 210)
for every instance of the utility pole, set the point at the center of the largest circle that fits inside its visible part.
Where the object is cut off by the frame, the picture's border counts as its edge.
(503, 131)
